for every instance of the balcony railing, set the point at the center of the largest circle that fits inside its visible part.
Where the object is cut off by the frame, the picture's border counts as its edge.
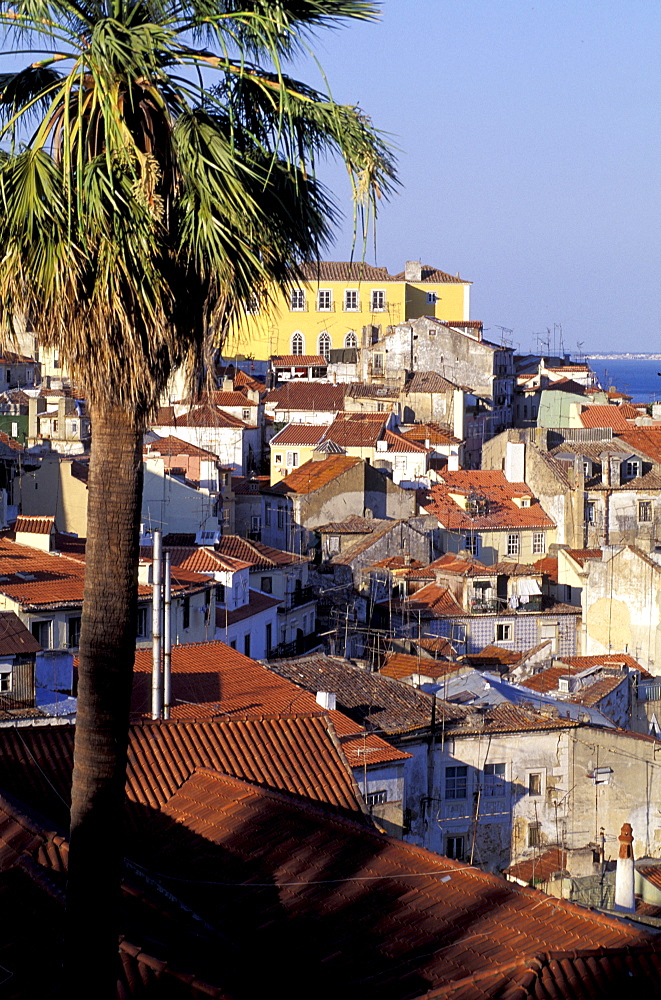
(295, 648)
(296, 599)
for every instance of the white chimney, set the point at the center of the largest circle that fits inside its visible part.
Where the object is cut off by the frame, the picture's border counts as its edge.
(453, 463)
(624, 875)
(327, 700)
(515, 462)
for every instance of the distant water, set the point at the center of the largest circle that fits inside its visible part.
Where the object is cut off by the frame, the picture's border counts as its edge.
(637, 378)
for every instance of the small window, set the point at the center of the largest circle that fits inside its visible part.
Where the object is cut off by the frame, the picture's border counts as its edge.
(297, 344)
(472, 544)
(269, 638)
(246, 644)
(233, 644)
(645, 510)
(43, 631)
(431, 301)
(538, 543)
(494, 780)
(535, 783)
(297, 300)
(292, 459)
(5, 681)
(378, 363)
(14, 429)
(220, 593)
(245, 414)
(378, 301)
(590, 511)
(277, 458)
(324, 300)
(548, 632)
(351, 303)
(534, 834)
(281, 517)
(376, 798)
(456, 781)
(73, 632)
(568, 593)
(8, 375)
(266, 585)
(142, 629)
(267, 515)
(513, 545)
(503, 632)
(631, 469)
(351, 340)
(454, 848)
(185, 605)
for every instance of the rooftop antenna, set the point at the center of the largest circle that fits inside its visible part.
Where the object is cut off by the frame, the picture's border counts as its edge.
(505, 341)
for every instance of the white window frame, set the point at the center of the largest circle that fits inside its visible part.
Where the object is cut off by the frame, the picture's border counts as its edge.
(325, 300)
(472, 544)
(432, 299)
(495, 778)
(646, 507)
(351, 300)
(297, 300)
(324, 344)
(538, 543)
(378, 300)
(506, 628)
(590, 511)
(513, 544)
(351, 340)
(292, 459)
(298, 344)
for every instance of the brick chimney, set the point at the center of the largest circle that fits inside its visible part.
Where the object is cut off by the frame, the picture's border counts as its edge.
(624, 875)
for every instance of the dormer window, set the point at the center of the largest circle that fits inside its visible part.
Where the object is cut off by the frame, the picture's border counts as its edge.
(631, 469)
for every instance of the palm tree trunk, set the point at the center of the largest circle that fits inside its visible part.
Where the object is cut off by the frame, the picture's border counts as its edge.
(107, 649)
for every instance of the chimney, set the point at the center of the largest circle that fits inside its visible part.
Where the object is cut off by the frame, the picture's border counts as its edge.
(616, 469)
(228, 385)
(624, 875)
(413, 270)
(327, 700)
(515, 462)
(453, 463)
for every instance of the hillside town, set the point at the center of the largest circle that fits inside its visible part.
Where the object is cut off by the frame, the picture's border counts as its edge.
(398, 655)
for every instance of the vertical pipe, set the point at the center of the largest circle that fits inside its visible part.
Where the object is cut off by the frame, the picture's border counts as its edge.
(156, 691)
(167, 637)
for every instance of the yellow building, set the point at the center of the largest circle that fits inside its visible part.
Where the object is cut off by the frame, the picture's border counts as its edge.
(338, 299)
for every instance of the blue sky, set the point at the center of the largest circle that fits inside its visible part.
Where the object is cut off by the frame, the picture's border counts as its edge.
(530, 141)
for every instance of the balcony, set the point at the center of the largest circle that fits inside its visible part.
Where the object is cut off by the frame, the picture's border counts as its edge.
(294, 600)
(296, 648)
(490, 607)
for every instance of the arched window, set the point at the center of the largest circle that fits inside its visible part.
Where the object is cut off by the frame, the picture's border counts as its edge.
(297, 343)
(351, 340)
(324, 345)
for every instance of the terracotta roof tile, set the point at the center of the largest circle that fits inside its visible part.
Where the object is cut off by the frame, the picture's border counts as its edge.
(357, 430)
(501, 511)
(399, 665)
(298, 361)
(234, 398)
(173, 446)
(15, 638)
(212, 681)
(401, 443)
(258, 555)
(34, 525)
(434, 433)
(199, 559)
(299, 434)
(342, 270)
(539, 868)
(651, 873)
(314, 475)
(606, 659)
(429, 382)
(199, 416)
(294, 395)
(434, 600)
(646, 440)
(257, 603)
(582, 555)
(604, 416)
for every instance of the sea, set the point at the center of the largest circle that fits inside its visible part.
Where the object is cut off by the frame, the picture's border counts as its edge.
(639, 378)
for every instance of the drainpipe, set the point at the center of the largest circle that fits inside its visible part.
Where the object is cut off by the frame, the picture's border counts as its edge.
(156, 691)
(624, 875)
(167, 638)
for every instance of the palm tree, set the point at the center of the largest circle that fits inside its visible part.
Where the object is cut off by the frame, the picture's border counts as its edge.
(157, 173)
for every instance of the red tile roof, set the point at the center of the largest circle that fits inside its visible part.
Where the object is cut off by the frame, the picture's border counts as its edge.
(548, 566)
(459, 566)
(212, 681)
(15, 638)
(605, 416)
(607, 659)
(299, 434)
(582, 555)
(257, 603)
(173, 446)
(307, 396)
(539, 868)
(652, 873)
(433, 433)
(402, 443)
(34, 525)
(436, 600)
(314, 475)
(343, 270)
(646, 440)
(234, 398)
(256, 554)
(199, 416)
(397, 921)
(399, 665)
(298, 361)
(199, 559)
(502, 512)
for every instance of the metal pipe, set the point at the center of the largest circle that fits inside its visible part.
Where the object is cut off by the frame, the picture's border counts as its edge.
(156, 689)
(167, 637)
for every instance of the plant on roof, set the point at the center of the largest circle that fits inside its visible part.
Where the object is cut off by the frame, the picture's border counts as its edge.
(157, 173)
